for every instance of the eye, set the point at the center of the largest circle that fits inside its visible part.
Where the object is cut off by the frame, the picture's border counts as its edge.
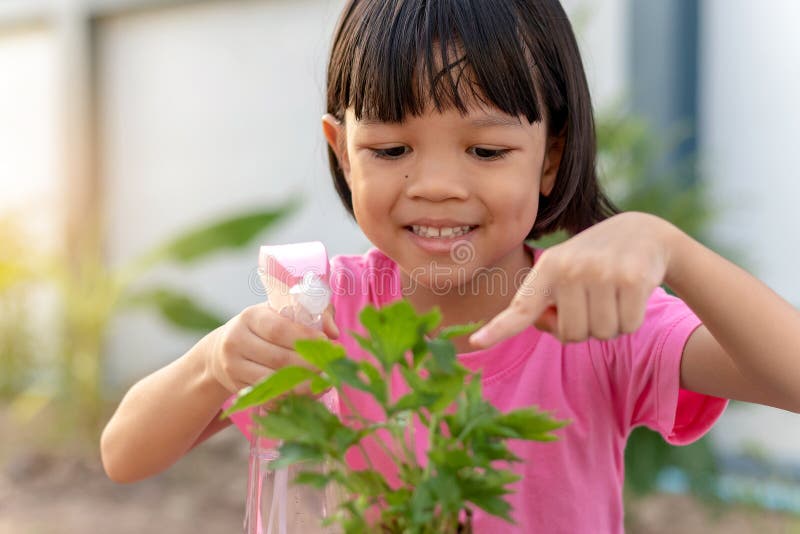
(393, 152)
(489, 154)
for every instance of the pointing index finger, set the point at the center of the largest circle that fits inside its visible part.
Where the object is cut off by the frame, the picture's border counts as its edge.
(530, 301)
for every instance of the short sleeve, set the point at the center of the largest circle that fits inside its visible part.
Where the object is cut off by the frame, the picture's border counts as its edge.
(645, 368)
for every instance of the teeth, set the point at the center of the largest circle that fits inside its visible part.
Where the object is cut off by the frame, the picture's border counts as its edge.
(430, 231)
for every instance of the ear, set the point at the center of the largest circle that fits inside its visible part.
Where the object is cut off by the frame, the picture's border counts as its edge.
(334, 132)
(552, 161)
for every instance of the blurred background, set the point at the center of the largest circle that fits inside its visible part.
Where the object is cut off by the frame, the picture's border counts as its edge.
(147, 147)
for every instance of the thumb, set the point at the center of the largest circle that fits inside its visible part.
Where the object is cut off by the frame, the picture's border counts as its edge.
(329, 323)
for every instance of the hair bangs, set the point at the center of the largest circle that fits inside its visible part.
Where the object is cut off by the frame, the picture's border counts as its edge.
(407, 55)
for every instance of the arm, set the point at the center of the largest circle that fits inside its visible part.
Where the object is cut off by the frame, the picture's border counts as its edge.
(163, 416)
(167, 413)
(596, 284)
(749, 345)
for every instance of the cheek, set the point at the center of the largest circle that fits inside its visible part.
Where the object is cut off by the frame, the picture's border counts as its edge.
(516, 198)
(372, 193)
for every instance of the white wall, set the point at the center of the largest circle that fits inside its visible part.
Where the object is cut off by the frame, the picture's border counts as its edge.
(208, 110)
(601, 28)
(28, 129)
(749, 132)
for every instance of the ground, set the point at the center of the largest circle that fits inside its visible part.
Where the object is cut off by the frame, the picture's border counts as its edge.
(67, 493)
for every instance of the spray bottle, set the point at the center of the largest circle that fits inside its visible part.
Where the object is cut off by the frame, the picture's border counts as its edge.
(296, 281)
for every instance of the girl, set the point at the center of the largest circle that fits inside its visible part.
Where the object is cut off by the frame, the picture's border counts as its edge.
(457, 130)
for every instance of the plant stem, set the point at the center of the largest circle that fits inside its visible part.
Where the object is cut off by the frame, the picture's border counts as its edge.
(378, 438)
(363, 422)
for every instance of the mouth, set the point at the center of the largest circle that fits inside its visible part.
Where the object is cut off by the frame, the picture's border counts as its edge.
(441, 232)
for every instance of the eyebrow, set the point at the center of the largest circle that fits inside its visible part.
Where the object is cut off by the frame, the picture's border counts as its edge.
(488, 121)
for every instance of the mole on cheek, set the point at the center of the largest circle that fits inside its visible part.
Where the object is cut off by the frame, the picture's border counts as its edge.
(406, 176)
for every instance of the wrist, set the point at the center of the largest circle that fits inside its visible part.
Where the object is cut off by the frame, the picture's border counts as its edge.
(677, 244)
(201, 357)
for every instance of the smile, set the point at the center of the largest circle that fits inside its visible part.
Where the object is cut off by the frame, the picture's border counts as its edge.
(440, 232)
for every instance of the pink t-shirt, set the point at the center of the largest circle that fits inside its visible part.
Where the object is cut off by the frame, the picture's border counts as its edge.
(606, 388)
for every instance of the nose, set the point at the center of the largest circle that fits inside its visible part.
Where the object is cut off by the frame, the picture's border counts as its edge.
(437, 181)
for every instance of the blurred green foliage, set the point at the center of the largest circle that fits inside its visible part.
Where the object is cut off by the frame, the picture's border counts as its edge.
(88, 295)
(16, 336)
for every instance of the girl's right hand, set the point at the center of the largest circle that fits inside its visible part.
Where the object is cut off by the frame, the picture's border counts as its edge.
(257, 342)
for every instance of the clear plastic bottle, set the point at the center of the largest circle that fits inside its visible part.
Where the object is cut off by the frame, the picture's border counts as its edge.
(274, 504)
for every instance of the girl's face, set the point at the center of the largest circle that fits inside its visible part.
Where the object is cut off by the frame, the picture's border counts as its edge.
(446, 195)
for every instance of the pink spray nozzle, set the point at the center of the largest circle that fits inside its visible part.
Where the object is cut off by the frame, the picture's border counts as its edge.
(283, 267)
(290, 263)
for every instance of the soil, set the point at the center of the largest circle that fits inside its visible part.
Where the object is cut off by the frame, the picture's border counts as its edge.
(67, 492)
(50, 493)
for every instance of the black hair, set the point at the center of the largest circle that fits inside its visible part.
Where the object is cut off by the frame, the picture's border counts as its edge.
(390, 58)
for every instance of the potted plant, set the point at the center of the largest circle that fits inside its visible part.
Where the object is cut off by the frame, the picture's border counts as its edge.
(467, 450)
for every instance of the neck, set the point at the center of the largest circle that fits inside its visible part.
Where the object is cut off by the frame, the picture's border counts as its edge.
(485, 293)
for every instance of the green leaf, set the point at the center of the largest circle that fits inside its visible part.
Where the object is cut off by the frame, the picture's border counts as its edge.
(232, 233)
(377, 383)
(454, 459)
(444, 387)
(319, 352)
(487, 490)
(292, 453)
(419, 351)
(422, 503)
(446, 492)
(365, 342)
(413, 401)
(283, 380)
(368, 482)
(346, 371)
(176, 308)
(444, 354)
(494, 505)
(396, 329)
(527, 423)
(320, 384)
(312, 478)
(398, 497)
(450, 332)
(301, 419)
(349, 372)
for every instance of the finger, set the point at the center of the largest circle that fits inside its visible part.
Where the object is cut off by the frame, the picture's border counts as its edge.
(632, 302)
(268, 354)
(573, 320)
(329, 323)
(249, 373)
(526, 306)
(603, 315)
(272, 327)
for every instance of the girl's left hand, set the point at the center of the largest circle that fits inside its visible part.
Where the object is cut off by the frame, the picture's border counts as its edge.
(595, 284)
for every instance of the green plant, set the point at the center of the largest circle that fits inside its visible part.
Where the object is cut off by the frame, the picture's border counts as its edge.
(90, 294)
(467, 448)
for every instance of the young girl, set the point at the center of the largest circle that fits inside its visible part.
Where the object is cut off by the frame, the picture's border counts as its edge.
(458, 130)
